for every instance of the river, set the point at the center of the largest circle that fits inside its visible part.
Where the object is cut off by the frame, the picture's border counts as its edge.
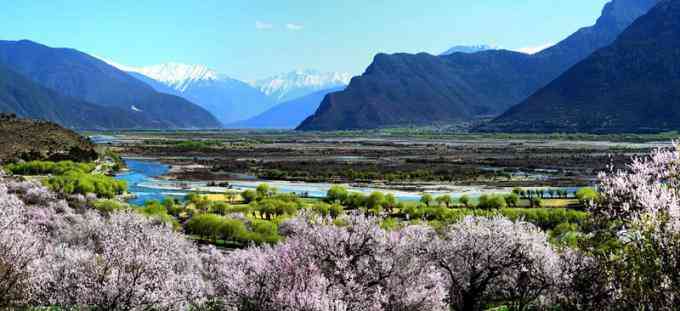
(144, 182)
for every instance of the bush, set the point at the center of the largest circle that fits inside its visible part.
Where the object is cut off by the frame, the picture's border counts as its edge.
(232, 230)
(77, 182)
(336, 210)
(444, 200)
(49, 168)
(323, 209)
(248, 196)
(491, 202)
(587, 195)
(375, 200)
(426, 199)
(155, 210)
(109, 206)
(512, 199)
(337, 194)
(465, 200)
(206, 226)
(219, 208)
(356, 200)
(272, 207)
(546, 218)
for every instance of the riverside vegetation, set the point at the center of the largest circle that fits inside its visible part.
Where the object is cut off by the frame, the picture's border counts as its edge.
(347, 252)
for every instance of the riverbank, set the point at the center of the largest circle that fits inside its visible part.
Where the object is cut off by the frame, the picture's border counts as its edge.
(145, 178)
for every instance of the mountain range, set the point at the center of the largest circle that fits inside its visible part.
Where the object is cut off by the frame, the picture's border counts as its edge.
(231, 100)
(633, 85)
(228, 99)
(295, 84)
(416, 89)
(76, 75)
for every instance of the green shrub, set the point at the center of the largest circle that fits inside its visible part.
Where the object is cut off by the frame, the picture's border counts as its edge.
(248, 196)
(512, 199)
(323, 209)
(546, 218)
(109, 206)
(155, 210)
(336, 210)
(78, 182)
(465, 200)
(587, 195)
(337, 194)
(232, 230)
(426, 199)
(205, 226)
(356, 200)
(219, 208)
(375, 200)
(277, 206)
(49, 168)
(491, 202)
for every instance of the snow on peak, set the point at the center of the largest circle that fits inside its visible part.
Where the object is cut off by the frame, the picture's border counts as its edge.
(286, 85)
(175, 75)
(178, 76)
(469, 49)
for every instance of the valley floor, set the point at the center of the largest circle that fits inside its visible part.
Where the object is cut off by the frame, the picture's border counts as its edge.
(400, 161)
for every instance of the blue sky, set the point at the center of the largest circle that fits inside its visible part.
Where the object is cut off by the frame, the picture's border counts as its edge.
(250, 39)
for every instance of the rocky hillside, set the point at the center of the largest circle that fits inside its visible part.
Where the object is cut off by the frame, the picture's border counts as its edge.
(631, 86)
(407, 89)
(40, 140)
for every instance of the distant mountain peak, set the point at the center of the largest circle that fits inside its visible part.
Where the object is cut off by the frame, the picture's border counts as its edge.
(300, 82)
(469, 49)
(176, 75)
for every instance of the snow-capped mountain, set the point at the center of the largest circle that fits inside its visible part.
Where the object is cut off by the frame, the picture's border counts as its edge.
(230, 100)
(177, 76)
(469, 49)
(295, 84)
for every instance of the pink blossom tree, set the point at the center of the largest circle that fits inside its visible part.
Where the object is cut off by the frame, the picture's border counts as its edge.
(495, 259)
(326, 267)
(638, 212)
(20, 248)
(53, 255)
(120, 263)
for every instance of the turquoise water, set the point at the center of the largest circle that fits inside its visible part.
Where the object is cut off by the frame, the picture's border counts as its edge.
(142, 172)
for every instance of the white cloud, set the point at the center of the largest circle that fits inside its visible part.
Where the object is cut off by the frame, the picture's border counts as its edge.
(294, 27)
(534, 49)
(263, 25)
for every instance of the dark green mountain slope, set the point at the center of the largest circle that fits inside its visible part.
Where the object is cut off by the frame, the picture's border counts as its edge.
(25, 98)
(631, 86)
(407, 89)
(76, 74)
